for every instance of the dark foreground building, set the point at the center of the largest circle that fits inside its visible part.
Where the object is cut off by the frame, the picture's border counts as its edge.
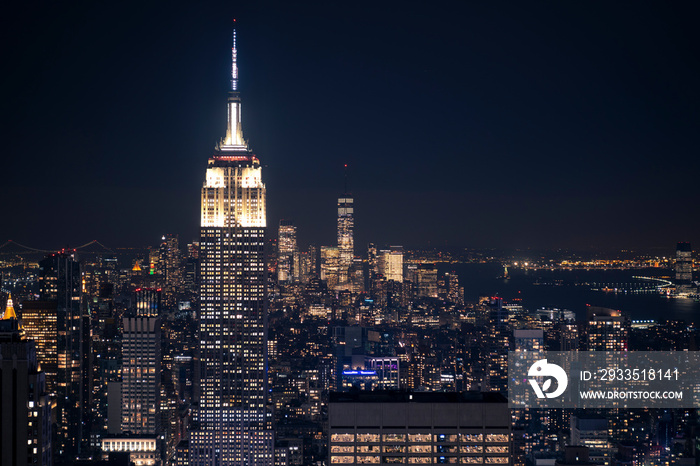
(394, 427)
(25, 410)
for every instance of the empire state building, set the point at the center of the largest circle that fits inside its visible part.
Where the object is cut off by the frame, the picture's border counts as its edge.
(232, 425)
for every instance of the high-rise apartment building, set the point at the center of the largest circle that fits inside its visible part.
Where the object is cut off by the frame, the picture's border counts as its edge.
(233, 423)
(607, 329)
(287, 252)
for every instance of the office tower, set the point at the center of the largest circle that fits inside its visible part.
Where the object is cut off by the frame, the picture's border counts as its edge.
(607, 329)
(25, 410)
(390, 263)
(141, 367)
(287, 252)
(684, 263)
(147, 301)
(39, 322)
(330, 266)
(60, 281)
(356, 276)
(233, 421)
(171, 269)
(419, 428)
(346, 223)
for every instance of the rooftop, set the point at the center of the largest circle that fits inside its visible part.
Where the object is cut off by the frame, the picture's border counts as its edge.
(391, 396)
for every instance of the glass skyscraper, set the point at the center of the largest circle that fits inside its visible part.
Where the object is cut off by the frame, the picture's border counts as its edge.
(346, 244)
(232, 424)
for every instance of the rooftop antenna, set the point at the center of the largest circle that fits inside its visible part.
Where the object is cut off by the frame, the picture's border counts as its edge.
(234, 61)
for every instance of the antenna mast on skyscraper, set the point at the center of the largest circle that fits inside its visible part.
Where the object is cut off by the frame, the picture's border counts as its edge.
(234, 61)
(345, 176)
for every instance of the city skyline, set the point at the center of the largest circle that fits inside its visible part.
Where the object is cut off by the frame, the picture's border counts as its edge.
(238, 351)
(511, 127)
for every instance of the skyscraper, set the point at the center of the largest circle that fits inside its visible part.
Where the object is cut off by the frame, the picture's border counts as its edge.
(233, 424)
(39, 322)
(684, 263)
(346, 223)
(141, 353)
(330, 260)
(60, 280)
(25, 410)
(286, 252)
(147, 301)
(170, 269)
(390, 263)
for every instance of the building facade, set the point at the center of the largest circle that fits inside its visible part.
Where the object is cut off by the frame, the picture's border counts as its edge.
(287, 253)
(39, 322)
(25, 409)
(419, 428)
(141, 373)
(390, 263)
(60, 280)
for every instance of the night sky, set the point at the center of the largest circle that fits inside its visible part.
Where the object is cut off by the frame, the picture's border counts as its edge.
(464, 124)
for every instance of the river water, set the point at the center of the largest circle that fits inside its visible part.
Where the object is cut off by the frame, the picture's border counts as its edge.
(573, 289)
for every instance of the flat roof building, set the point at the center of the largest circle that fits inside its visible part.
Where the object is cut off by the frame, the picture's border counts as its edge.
(386, 427)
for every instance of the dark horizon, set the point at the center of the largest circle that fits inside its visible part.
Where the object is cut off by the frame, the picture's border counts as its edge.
(463, 125)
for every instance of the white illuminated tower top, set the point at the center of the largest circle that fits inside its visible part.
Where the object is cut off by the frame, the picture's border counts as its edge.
(234, 132)
(233, 194)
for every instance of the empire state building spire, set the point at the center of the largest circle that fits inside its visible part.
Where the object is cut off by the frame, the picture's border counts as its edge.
(234, 63)
(234, 132)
